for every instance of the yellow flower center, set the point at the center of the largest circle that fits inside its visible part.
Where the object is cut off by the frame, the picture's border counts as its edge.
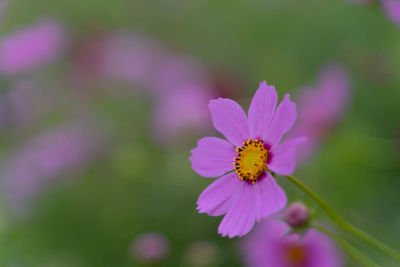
(295, 254)
(251, 160)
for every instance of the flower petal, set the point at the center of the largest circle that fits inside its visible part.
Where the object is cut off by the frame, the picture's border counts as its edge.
(283, 159)
(261, 110)
(215, 199)
(270, 197)
(212, 157)
(283, 120)
(230, 120)
(321, 250)
(242, 214)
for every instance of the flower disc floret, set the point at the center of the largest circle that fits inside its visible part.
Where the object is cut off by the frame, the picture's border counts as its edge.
(251, 160)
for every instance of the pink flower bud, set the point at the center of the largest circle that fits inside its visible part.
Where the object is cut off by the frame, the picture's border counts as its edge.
(297, 215)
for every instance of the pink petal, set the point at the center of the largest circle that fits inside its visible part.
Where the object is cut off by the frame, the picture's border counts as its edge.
(283, 160)
(270, 197)
(212, 157)
(242, 214)
(230, 120)
(215, 199)
(321, 250)
(392, 10)
(261, 110)
(283, 120)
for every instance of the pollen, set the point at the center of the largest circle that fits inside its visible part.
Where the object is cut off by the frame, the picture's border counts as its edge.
(251, 160)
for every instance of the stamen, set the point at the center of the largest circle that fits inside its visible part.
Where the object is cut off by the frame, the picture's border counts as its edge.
(251, 160)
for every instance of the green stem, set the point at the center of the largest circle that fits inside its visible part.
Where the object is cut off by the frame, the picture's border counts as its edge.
(352, 251)
(344, 224)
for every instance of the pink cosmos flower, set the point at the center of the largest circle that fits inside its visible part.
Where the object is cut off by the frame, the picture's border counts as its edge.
(271, 245)
(392, 10)
(321, 107)
(150, 247)
(253, 151)
(31, 47)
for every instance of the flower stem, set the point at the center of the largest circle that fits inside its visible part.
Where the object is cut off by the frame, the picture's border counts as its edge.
(352, 251)
(343, 223)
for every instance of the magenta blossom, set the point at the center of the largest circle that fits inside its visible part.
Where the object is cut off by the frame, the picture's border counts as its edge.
(392, 10)
(321, 107)
(271, 245)
(150, 247)
(248, 192)
(31, 47)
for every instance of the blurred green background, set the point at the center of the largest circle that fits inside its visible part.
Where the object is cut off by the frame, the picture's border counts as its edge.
(138, 185)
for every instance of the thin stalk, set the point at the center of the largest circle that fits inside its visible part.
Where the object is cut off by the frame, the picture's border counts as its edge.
(352, 251)
(344, 224)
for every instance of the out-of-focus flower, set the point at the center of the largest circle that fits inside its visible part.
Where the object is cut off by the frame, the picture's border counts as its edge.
(174, 70)
(178, 84)
(271, 245)
(253, 152)
(392, 10)
(184, 108)
(129, 57)
(150, 248)
(201, 254)
(182, 91)
(47, 156)
(297, 215)
(31, 48)
(321, 107)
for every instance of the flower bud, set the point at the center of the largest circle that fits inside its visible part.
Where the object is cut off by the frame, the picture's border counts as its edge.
(297, 215)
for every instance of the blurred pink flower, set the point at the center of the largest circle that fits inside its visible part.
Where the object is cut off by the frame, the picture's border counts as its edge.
(253, 151)
(178, 84)
(31, 47)
(270, 244)
(129, 57)
(392, 10)
(43, 158)
(321, 107)
(184, 108)
(150, 248)
(181, 90)
(174, 70)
